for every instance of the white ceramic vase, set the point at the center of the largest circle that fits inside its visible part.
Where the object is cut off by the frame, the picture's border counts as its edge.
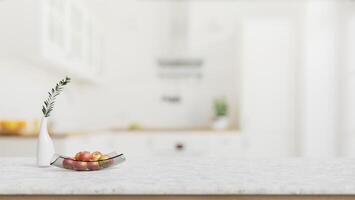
(45, 146)
(221, 123)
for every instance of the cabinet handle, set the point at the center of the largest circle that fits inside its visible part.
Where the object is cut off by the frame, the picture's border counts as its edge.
(179, 146)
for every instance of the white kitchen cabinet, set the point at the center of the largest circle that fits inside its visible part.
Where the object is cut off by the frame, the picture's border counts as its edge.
(24, 146)
(58, 34)
(195, 144)
(268, 86)
(133, 144)
(137, 144)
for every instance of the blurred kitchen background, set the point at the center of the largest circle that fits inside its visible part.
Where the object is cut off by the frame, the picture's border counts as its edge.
(249, 78)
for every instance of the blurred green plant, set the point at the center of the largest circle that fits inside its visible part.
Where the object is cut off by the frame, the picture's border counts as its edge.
(135, 126)
(220, 107)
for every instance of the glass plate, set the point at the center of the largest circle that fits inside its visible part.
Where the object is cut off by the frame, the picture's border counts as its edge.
(71, 164)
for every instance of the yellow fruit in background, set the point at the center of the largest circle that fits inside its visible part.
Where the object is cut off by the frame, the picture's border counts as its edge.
(36, 125)
(22, 124)
(10, 126)
(135, 126)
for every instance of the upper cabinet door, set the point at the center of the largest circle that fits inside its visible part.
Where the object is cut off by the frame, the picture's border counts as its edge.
(268, 86)
(71, 37)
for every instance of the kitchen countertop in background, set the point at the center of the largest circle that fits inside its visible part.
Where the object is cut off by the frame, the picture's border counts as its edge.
(184, 175)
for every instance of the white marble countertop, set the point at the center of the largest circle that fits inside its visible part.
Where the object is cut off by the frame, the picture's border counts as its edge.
(184, 175)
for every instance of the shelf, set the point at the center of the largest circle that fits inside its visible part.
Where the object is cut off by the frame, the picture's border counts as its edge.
(202, 131)
(178, 130)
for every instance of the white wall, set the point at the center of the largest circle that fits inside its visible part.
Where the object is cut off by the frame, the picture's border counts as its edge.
(268, 86)
(128, 90)
(320, 79)
(347, 83)
(133, 64)
(282, 74)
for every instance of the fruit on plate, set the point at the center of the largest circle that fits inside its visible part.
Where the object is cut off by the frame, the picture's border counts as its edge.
(93, 165)
(84, 160)
(80, 165)
(95, 162)
(83, 156)
(95, 156)
(104, 157)
(77, 156)
(68, 163)
(105, 161)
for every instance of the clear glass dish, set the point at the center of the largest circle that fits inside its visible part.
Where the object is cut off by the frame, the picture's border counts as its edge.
(72, 164)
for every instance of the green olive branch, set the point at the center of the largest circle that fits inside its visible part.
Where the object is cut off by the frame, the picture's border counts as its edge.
(49, 102)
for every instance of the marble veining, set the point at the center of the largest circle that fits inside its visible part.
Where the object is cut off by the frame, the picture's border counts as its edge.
(184, 175)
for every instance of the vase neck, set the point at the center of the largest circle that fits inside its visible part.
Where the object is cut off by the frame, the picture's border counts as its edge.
(44, 119)
(43, 128)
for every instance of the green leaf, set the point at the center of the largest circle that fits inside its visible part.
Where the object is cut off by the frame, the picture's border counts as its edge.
(50, 101)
